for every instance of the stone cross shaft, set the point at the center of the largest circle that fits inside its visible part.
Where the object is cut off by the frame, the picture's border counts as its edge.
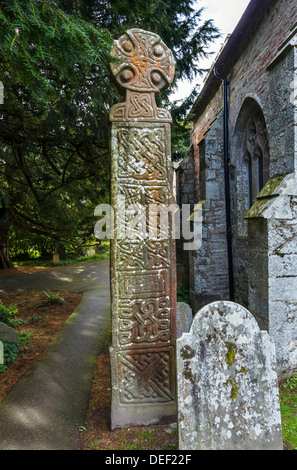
(143, 279)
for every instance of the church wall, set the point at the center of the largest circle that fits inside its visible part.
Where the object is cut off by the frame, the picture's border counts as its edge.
(261, 79)
(208, 270)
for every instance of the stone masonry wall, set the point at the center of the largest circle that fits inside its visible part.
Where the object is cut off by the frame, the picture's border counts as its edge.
(282, 261)
(208, 270)
(186, 194)
(251, 75)
(282, 113)
(256, 75)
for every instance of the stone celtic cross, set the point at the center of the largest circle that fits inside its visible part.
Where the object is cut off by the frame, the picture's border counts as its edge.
(145, 66)
(143, 279)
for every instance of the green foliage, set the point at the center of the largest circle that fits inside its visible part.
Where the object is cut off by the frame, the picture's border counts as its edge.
(10, 354)
(288, 406)
(24, 245)
(29, 249)
(53, 170)
(183, 294)
(54, 135)
(290, 383)
(179, 24)
(8, 315)
(72, 257)
(52, 298)
(38, 37)
(12, 350)
(68, 262)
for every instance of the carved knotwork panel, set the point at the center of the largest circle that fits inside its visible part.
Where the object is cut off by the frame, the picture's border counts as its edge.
(147, 376)
(144, 322)
(148, 255)
(141, 153)
(143, 194)
(143, 284)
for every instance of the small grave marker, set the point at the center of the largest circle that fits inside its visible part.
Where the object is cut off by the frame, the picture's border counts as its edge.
(227, 383)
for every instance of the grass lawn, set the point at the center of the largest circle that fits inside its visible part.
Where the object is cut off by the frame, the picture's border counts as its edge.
(33, 258)
(66, 262)
(288, 403)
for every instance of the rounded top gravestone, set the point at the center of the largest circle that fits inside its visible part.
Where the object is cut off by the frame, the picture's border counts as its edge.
(227, 382)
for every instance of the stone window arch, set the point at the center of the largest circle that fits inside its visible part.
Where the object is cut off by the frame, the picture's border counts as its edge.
(249, 159)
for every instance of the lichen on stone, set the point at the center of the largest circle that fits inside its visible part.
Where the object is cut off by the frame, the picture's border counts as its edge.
(187, 373)
(257, 208)
(187, 352)
(269, 191)
(271, 187)
(231, 355)
(234, 387)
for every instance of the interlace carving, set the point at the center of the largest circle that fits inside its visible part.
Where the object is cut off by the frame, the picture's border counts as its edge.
(147, 377)
(143, 278)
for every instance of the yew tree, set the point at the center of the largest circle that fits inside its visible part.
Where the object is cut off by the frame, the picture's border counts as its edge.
(54, 150)
(54, 68)
(180, 25)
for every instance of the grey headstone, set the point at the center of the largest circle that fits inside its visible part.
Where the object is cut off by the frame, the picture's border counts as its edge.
(184, 318)
(8, 334)
(227, 383)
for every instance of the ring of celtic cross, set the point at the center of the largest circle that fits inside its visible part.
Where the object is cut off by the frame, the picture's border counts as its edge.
(145, 63)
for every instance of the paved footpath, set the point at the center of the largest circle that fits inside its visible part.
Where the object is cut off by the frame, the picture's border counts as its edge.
(46, 408)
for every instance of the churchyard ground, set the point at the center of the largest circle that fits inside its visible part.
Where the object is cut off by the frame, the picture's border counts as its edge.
(41, 316)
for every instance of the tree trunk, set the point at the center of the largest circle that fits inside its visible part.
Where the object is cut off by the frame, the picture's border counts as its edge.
(5, 226)
(5, 261)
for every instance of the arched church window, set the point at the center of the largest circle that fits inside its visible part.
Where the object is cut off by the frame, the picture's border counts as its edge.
(253, 156)
(250, 160)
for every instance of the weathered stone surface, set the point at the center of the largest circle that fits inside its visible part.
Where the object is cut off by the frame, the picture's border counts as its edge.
(208, 271)
(143, 278)
(8, 334)
(227, 383)
(184, 318)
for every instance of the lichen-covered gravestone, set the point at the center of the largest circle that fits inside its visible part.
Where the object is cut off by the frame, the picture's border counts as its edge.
(143, 279)
(227, 383)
